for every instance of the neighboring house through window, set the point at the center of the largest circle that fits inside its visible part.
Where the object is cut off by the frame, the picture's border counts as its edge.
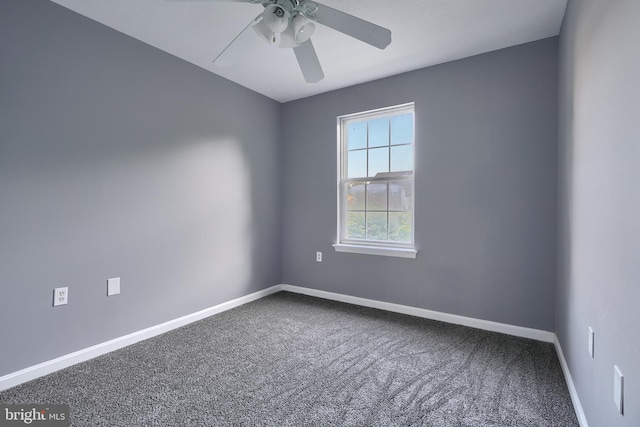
(376, 182)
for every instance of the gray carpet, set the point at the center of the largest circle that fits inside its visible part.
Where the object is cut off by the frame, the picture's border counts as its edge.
(293, 360)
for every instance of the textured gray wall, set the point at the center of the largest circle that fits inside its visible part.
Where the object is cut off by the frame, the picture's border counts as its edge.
(117, 159)
(486, 195)
(599, 280)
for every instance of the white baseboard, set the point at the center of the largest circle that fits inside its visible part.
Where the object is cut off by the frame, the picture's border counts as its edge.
(582, 419)
(41, 369)
(487, 325)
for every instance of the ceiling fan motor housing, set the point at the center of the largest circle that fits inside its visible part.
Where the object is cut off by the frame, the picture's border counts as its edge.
(284, 23)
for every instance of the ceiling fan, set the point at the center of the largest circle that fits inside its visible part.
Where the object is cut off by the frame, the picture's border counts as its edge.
(290, 24)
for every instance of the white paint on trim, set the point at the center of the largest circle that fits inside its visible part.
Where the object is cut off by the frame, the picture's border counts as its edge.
(41, 369)
(376, 250)
(44, 368)
(487, 325)
(582, 418)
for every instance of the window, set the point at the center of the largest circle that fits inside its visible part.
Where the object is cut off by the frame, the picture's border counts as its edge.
(376, 182)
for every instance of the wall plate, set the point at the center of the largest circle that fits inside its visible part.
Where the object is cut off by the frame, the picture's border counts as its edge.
(113, 286)
(60, 296)
(618, 389)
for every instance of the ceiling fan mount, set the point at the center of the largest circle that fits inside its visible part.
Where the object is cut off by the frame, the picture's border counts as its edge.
(286, 23)
(290, 24)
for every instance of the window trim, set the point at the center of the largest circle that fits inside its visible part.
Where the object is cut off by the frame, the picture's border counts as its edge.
(372, 247)
(376, 250)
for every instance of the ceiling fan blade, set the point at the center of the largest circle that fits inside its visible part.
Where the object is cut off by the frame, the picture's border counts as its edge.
(309, 64)
(350, 25)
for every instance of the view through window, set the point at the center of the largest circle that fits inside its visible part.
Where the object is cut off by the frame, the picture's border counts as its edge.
(376, 181)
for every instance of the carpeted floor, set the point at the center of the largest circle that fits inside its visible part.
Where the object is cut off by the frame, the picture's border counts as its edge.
(293, 360)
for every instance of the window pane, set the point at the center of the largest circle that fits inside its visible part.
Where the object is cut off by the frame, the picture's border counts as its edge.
(400, 227)
(355, 225)
(402, 129)
(378, 161)
(378, 132)
(376, 226)
(377, 196)
(377, 156)
(355, 196)
(357, 135)
(402, 158)
(400, 195)
(357, 164)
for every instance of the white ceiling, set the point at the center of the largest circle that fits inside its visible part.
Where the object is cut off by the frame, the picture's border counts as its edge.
(424, 33)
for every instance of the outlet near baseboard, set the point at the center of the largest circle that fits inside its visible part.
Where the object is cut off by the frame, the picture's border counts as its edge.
(113, 286)
(60, 296)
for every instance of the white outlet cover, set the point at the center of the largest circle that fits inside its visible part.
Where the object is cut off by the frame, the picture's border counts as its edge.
(113, 286)
(60, 296)
(591, 342)
(618, 389)
(319, 256)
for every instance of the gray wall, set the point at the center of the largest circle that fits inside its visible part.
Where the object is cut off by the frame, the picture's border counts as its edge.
(117, 159)
(599, 278)
(486, 195)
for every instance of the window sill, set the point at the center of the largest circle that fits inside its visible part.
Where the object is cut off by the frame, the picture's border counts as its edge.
(376, 250)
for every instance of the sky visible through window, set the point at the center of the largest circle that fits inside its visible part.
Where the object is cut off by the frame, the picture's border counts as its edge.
(380, 145)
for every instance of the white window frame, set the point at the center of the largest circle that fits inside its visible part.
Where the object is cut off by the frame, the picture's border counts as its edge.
(363, 246)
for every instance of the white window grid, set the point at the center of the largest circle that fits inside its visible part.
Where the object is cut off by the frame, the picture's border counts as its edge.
(389, 178)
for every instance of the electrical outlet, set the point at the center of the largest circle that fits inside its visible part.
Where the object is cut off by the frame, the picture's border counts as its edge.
(113, 286)
(591, 342)
(319, 256)
(618, 389)
(60, 296)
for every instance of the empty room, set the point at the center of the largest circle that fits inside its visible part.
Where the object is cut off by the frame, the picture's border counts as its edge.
(301, 213)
